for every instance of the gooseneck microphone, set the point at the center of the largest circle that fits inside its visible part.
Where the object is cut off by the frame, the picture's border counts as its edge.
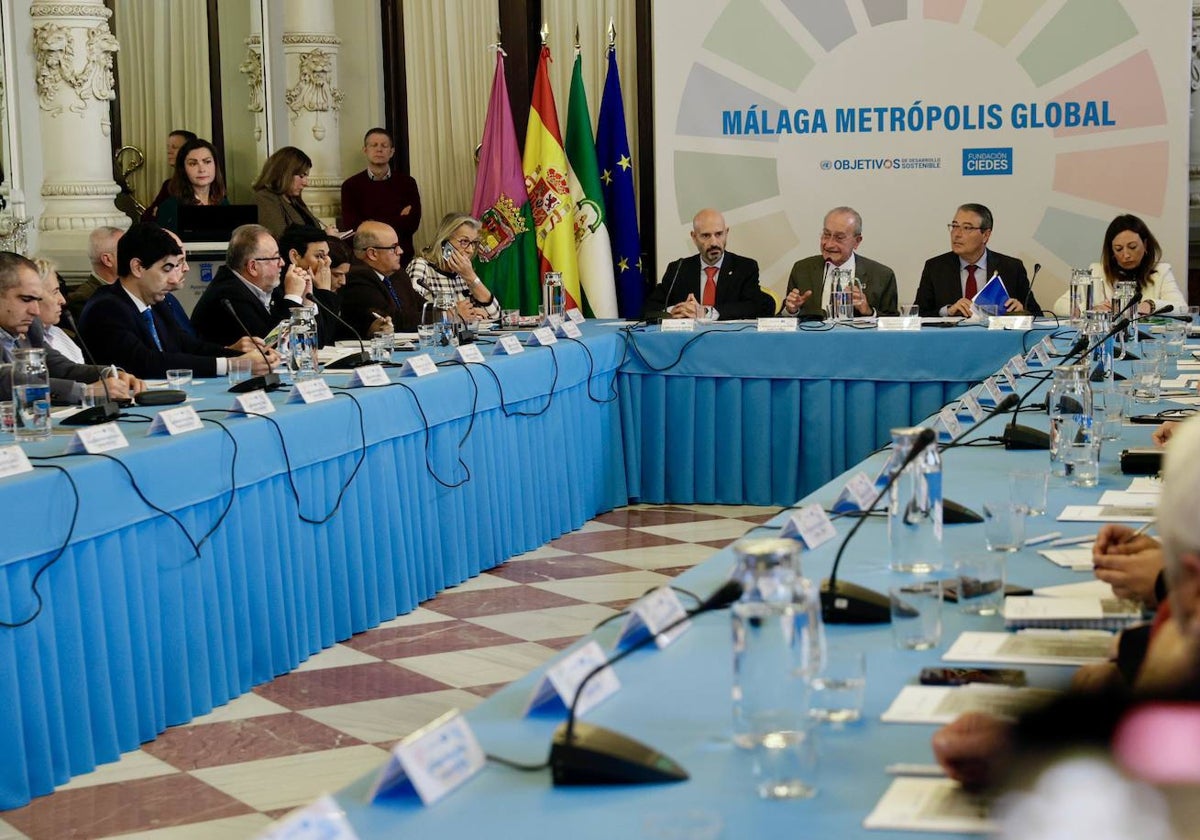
(354, 360)
(1029, 292)
(106, 411)
(848, 603)
(585, 754)
(665, 312)
(268, 382)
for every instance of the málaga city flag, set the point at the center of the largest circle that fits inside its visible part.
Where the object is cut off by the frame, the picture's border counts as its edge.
(507, 259)
(591, 236)
(616, 181)
(548, 186)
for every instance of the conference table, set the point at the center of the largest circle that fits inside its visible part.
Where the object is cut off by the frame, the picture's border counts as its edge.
(324, 520)
(677, 700)
(730, 415)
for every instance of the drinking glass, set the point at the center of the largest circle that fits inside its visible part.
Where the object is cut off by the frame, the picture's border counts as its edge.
(1004, 525)
(1146, 379)
(981, 577)
(179, 378)
(1028, 488)
(238, 371)
(839, 686)
(916, 612)
(1083, 462)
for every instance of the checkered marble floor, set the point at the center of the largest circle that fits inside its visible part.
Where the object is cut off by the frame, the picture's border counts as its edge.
(230, 773)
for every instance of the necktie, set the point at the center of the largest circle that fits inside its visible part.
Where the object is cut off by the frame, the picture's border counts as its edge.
(148, 317)
(710, 285)
(387, 281)
(972, 288)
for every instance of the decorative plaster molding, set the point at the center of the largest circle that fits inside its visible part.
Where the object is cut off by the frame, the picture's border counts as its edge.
(310, 39)
(81, 223)
(54, 49)
(94, 11)
(314, 91)
(252, 68)
(1195, 47)
(80, 190)
(324, 183)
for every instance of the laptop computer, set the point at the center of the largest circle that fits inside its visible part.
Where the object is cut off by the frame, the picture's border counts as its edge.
(213, 223)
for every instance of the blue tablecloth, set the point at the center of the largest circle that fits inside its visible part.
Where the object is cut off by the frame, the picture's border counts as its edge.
(136, 634)
(678, 700)
(733, 416)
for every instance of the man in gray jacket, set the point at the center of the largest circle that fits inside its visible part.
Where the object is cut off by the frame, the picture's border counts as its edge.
(20, 291)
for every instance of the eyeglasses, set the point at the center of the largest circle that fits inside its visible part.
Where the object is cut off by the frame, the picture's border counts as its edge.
(395, 246)
(467, 243)
(275, 258)
(837, 237)
(954, 227)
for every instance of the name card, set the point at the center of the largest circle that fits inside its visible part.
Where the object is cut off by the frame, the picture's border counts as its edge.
(96, 439)
(435, 759)
(1040, 354)
(470, 354)
(903, 324)
(810, 525)
(418, 365)
(568, 329)
(320, 820)
(254, 402)
(1018, 365)
(989, 391)
(310, 391)
(13, 461)
(175, 421)
(776, 324)
(369, 376)
(858, 494)
(556, 689)
(575, 316)
(542, 337)
(553, 321)
(969, 408)
(1010, 322)
(946, 425)
(651, 614)
(1007, 381)
(508, 345)
(677, 325)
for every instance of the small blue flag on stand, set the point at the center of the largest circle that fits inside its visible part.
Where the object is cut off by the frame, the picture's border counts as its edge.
(993, 293)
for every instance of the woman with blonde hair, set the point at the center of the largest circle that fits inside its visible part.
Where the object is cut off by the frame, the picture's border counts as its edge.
(278, 192)
(50, 309)
(445, 267)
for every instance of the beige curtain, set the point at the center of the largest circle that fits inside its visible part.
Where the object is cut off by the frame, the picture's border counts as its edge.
(450, 71)
(162, 81)
(592, 17)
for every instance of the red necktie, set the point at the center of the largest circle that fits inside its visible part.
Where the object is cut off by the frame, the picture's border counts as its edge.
(972, 288)
(710, 285)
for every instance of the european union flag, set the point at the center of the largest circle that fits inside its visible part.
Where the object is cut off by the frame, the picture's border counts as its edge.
(616, 183)
(993, 293)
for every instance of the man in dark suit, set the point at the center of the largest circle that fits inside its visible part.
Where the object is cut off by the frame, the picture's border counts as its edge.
(378, 297)
(714, 285)
(20, 291)
(808, 286)
(121, 324)
(247, 280)
(949, 281)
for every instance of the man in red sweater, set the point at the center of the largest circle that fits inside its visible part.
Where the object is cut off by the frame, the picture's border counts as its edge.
(382, 195)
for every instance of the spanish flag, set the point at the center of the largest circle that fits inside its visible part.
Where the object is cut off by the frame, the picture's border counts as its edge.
(547, 182)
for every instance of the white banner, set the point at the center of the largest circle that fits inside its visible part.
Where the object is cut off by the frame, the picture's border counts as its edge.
(1056, 114)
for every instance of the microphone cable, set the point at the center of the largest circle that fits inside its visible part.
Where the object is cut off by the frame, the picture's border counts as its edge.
(55, 557)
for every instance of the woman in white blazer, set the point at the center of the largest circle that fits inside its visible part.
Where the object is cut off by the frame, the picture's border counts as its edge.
(1132, 253)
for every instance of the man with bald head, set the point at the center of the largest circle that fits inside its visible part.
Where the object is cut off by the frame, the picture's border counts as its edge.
(378, 296)
(714, 285)
(810, 282)
(102, 254)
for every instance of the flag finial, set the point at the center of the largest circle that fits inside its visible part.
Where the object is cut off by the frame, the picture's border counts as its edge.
(612, 34)
(577, 47)
(544, 32)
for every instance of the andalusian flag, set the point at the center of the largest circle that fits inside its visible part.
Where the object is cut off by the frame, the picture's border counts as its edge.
(616, 181)
(591, 236)
(507, 260)
(548, 186)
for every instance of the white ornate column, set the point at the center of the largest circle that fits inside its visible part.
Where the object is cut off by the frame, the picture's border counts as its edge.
(255, 96)
(73, 56)
(313, 100)
(1194, 151)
